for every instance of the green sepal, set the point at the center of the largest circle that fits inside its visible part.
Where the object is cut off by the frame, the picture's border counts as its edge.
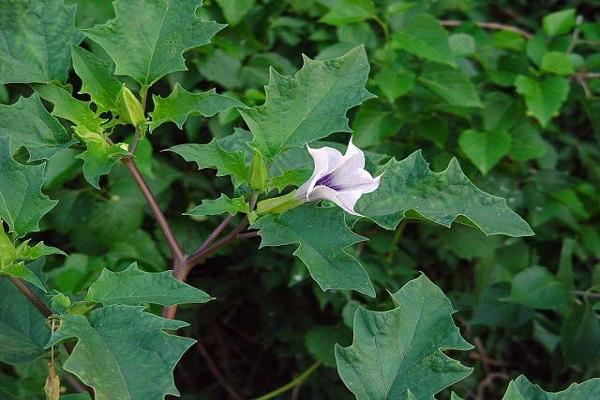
(278, 205)
(259, 172)
(132, 110)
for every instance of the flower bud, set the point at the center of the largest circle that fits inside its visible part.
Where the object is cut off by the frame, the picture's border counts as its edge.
(131, 109)
(259, 174)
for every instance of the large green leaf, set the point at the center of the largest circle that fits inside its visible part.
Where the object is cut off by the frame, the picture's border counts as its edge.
(123, 352)
(212, 155)
(223, 204)
(401, 350)
(423, 36)
(147, 38)
(522, 389)
(311, 105)
(543, 97)
(97, 79)
(22, 203)
(441, 197)
(180, 104)
(536, 287)
(322, 237)
(23, 329)
(134, 286)
(36, 40)
(29, 125)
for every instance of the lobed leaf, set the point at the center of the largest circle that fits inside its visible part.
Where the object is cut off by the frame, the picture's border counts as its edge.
(36, 40)
(22, 203)
(322, 237)
(29, 125)
(223, 204)
(441, 197)
(399, 353)
(121, 349)
(309, 106)
(180, 104)
(522, 389)
(147, 38)
(134, 287)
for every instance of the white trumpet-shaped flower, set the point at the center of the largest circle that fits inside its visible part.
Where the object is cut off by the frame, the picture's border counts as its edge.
(339, 178)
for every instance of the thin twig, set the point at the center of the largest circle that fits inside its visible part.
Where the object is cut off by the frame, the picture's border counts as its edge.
(179, 257)
(292, 384)
(214, 234)
(586, 294)
(249, 234)
(490, 25)
(215, 371)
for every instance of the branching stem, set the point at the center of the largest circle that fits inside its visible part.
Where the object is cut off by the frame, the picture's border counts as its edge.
(297, 381)
(490, 25)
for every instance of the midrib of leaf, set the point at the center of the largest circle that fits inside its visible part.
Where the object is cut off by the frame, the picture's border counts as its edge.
(153, 49)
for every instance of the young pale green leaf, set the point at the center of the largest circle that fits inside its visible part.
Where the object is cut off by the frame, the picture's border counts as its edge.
(536, 287)
(309, 106)
(121, 349)
(180, 104)
(399, 351)
(147, 38)
(22, 203)
(559, 22)
(543, 97)
(556, 62)
(97, 79)
(451, 84)
(322, 237)
(522, 389)
(29, 125)
(212, 155)
(441, 197)
(23, 329)
(424, 37)
(71, 109)
(343, 12)
(134, 286)
(484, 149)
(234, 11)
(99, 158)
(36, 40)
(222, 205)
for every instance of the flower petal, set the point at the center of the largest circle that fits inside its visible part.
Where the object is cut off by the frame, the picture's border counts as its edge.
(326, 159)
(345, 199)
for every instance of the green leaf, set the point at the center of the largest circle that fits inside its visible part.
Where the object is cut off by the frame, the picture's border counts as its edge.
(212, 155)
(526, 143)
(234, 11)
(557, 63)
(180, 104)
(509, 40)
(536, 287)
(20, 271)
(309, 106)
(451, 84)
(37, 38)
(147, 38)
(522, 389)
(322, 237)
(543, 97)
(441, 197)
(23, 329)
(97, 79)
(424, 37)
(320, 342)
(343, 12)
(559, 22)
(29, 125)
(293, 177)
(401, 350)
(120, 349)
(394, 84)
(500, 112)
(134, 286)
(462, 44)
(484, 149)
(222, 205)
(99, 158)
(22, 203)
(580, 335)
(71, 109)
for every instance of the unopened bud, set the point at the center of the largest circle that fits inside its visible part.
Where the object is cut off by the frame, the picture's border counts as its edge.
(131, 108)
(259, 174)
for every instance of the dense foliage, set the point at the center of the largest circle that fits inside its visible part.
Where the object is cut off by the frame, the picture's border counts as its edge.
(153, 243)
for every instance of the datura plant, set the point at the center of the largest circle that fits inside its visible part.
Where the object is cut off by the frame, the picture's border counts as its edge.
(101, 236)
